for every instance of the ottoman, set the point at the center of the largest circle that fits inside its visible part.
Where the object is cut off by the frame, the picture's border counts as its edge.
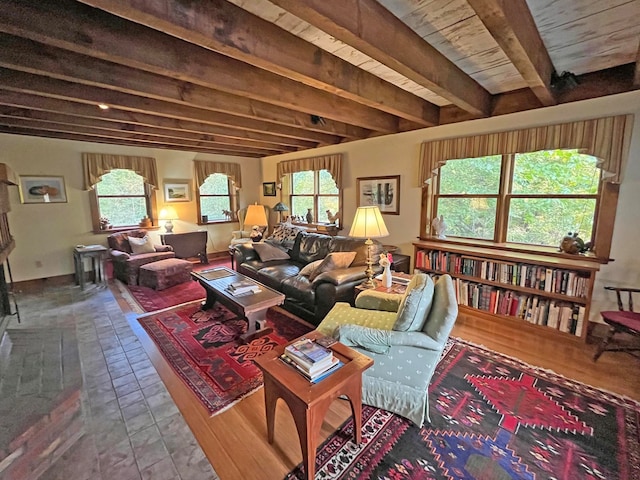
(165, 273)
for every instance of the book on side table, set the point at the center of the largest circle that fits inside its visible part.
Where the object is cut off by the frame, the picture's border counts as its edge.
(312, 360)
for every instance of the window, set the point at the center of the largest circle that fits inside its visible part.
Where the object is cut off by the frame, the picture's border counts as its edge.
(216, 200)
(531, 198)
(123, 199)
(315, 190)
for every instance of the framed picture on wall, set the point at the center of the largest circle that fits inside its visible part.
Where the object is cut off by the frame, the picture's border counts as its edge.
(384, 192)
(44, 189)
(177, 191)
(269, 189)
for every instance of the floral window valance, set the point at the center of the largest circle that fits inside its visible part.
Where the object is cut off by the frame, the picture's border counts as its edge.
(605, 138)
(97, 164)
(204, 168)
(331, 163)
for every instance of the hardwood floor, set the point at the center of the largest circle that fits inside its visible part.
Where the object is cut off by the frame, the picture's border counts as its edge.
(235, 441)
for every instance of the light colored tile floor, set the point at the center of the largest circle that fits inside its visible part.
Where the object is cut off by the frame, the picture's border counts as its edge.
(133, 428)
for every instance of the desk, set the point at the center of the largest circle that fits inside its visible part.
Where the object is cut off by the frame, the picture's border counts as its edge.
(187, 244)
(97, 254)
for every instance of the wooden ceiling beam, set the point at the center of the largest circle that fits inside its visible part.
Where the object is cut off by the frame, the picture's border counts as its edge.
(636, 75)
(511, 24)
(146, 139)
(29, 56)
(73, 121)
(97, 139)
(367, 26)
(36, 84)
(84, 110)
(223, 27)
(93, 32)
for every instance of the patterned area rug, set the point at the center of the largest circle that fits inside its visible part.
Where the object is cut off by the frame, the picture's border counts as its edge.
(493, 418)
(145, 299)
(202, 349)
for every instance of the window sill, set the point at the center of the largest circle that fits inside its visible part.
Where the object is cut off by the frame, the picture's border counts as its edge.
(125, 229)
(218, 222)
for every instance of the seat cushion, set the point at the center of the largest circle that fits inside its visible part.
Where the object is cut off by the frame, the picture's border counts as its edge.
(629, 320)
(415, 305)
(268, 252)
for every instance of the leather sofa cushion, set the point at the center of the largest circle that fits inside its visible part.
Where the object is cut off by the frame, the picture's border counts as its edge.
(300, 288)
(310, 247)
(274, 274)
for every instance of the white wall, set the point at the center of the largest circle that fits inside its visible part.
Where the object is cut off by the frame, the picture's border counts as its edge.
(399, 154)
(46, 233)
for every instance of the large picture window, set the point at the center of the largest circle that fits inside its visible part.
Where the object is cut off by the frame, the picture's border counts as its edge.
(123, 199)
(216, 199)
(314, 190)
(532, 198)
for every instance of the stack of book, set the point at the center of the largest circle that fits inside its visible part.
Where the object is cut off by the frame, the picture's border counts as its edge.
(243, 287)
(314, 361)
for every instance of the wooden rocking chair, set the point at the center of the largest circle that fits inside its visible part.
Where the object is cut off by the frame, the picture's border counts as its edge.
(621, 321)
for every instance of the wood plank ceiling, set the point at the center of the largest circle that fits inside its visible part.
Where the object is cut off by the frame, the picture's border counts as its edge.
(256, 77)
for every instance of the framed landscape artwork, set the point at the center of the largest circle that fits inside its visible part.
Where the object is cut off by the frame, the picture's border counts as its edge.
(383, 192)
(45, 189)
(177, 191)
(269, 189)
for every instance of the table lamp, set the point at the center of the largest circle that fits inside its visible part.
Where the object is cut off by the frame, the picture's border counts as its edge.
(368, 223)
(168, 214)
(280, 207)
(257, 217)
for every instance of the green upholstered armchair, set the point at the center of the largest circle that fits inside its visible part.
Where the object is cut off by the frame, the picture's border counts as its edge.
(404, 334)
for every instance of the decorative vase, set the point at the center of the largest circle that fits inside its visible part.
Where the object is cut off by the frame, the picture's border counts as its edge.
(309, 216)
(386, 277)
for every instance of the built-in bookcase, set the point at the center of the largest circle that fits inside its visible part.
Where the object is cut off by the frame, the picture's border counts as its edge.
(551, 293)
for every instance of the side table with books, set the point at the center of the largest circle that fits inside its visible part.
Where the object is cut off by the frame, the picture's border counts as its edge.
(309, 401)
(314, 361)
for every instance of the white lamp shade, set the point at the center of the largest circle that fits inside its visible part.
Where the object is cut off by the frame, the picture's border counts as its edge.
(368, 223)
(256, 216)
(168, 213)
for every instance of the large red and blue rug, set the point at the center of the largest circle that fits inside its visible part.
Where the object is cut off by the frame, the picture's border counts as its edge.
(203, 349)
(493, 418)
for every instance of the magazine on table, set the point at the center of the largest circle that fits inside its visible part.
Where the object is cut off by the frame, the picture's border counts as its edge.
(308, 351)
(331, 367)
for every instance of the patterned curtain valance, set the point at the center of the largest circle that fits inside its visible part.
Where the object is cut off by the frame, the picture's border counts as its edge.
(97, 164)
(203, 169)
(605, 138)
(331, 163)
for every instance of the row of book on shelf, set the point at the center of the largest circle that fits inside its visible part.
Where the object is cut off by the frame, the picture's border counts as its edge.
(537, 277)
(243, 287)
(556, 314)
(314, 361)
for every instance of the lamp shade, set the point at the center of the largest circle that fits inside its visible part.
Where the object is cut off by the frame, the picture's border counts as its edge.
(280, 207)
(168, 213)
(368, 223)
(256, 216)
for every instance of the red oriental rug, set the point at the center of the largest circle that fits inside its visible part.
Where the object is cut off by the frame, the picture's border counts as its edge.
(145, 299)
(202, 348)
(493, 418)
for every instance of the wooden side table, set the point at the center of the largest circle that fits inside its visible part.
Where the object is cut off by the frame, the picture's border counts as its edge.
(97, 254)
(187, 244)
(309, 402)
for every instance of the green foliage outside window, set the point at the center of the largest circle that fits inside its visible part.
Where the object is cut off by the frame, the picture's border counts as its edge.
(215, 198)
(121, 198)
(552, 193)
(316, 191)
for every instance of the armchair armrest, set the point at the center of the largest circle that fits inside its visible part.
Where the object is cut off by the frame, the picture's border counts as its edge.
(244, 252)
(374, 300)
(379, 341)
(240, 234)
(163, 248)
(119, 255)
(340, 276)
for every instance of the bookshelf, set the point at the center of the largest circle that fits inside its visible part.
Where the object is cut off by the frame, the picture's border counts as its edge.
(548, 292)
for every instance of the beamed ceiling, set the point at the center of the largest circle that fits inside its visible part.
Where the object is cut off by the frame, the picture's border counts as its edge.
(256, 77)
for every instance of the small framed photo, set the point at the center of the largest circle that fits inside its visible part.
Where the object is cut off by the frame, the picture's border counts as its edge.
(44, 189)
(177, 191)
(383, 192)
(269, 189)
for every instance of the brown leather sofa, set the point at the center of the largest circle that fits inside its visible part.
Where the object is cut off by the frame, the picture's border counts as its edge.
(310, 300)
(126, 264)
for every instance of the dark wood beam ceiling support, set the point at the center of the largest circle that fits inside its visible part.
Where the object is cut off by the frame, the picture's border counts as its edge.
(369, 27)
(38, 103)
(230, 30)
(36, 84)
(112, 141)
(92, 32)
(511, 24)
(636, 75)
(29, 56)
(70, 120)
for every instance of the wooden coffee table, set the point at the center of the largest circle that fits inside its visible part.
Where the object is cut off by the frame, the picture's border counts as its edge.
(309, 402)
(252, 306)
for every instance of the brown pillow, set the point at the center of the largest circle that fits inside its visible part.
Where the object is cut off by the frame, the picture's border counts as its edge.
(333, 261)
(268, 252)
(309, 268)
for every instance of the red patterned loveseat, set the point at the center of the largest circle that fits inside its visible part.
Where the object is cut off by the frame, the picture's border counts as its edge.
(126, 258)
